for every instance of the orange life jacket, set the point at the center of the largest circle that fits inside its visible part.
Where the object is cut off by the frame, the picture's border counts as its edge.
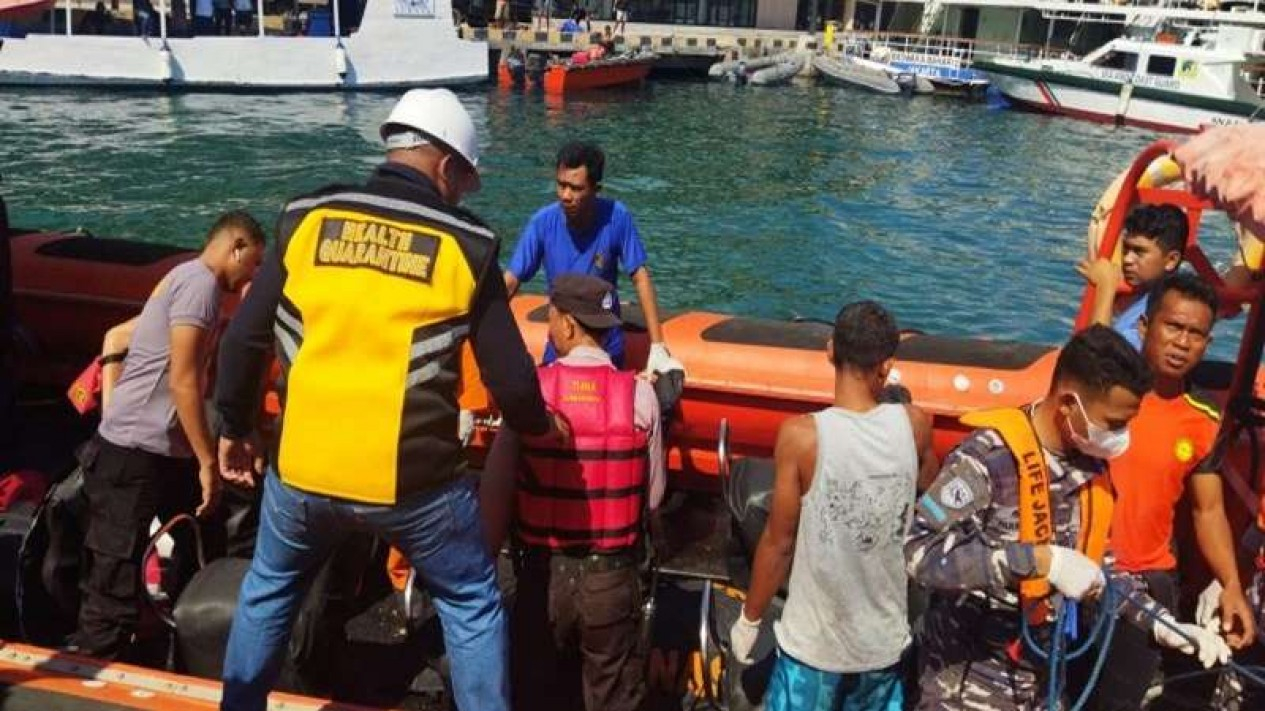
(1036, 515)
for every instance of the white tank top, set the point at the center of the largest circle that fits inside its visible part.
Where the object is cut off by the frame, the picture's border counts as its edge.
(846, 606)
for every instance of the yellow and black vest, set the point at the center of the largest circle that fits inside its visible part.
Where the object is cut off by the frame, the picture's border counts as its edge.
(378, 288)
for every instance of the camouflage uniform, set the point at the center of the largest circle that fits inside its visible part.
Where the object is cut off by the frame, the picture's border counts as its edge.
(964, 546)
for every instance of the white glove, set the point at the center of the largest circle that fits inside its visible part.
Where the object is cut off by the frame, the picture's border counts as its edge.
(1206, 645)
(1074, 574)
(742, 638)
(465, 427)
(660, 361)
(1208, 608)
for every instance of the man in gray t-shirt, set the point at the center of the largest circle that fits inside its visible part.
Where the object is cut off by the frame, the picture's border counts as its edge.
(842, 501)
(153, 453)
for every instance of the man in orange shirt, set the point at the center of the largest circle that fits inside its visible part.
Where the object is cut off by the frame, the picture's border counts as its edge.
(1172, 434)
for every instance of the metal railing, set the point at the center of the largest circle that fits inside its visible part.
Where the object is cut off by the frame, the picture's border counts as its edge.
(956, 52)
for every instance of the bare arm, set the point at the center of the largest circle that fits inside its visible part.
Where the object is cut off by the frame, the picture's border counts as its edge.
(188, 352)
(496, 488)
(1105, 277)
(796, 447)
(928, 464)
(649, 303)
(116, 342)
(511, 283)
(1216, 544)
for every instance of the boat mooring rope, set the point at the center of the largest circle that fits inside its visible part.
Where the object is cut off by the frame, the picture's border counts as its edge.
(1066, 627)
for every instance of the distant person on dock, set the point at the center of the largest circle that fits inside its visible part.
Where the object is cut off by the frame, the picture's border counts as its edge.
(578, 517)
(544, 13)
(368, 433)
(994, 540)
(142, 15)
(502, 18)
(96, 21)
(581, 16)
(1152, 246)
(588, 234)
(155, 455)
(621, 17)
(843, 497)
(244, 16)
(1175, 429)
(222, 16)
(204, 17)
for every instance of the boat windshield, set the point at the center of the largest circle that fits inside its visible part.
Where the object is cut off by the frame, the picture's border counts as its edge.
(1118, 59)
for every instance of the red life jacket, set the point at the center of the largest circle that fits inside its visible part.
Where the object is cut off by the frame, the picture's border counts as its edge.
(588, 497)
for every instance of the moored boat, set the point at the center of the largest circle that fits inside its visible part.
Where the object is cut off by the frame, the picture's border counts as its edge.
(622, 70)
(780, 73)
(1212, 78)
(399, 44)
(845, 71)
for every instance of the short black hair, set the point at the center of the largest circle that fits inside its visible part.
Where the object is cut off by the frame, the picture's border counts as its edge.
(1166, 225)
(242, 221)
(865, 336)
(1190, 286)
(1101, 359)
(580, 154)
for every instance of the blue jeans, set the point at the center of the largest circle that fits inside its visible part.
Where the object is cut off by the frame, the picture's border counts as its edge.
(441, 534)
(795, 686)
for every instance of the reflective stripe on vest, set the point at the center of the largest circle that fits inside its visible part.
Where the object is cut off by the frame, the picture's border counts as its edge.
(1036, 515)
(375, 310)
(589, 496)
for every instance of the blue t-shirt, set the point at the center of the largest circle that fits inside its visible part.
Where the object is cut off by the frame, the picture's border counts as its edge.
(1126, 323)
(610, 245)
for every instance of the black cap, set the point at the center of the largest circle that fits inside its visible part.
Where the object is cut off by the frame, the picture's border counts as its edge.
(588, 299)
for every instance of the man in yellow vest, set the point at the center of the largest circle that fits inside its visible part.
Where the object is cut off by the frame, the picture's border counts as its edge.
(1020, 510)
(368, 296)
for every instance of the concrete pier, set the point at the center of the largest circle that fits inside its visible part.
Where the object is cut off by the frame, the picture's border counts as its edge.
(678, 46)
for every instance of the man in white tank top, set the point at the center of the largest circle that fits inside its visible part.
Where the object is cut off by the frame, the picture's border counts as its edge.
(843, 497)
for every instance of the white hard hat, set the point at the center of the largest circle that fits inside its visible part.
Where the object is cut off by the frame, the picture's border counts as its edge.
(438, 115)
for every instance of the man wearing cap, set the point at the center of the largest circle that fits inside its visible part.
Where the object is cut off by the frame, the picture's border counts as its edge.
(587, 234)
(578, 515)
(368, 296)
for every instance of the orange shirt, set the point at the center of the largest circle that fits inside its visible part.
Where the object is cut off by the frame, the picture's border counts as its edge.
(1169, 440)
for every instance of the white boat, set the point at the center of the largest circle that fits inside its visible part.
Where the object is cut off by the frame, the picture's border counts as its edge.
(780, 73)
(398, 43)
(872, 76)
(1213, 77)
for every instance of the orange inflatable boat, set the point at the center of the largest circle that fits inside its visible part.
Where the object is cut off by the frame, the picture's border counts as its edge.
(69, 288)
(752, 373)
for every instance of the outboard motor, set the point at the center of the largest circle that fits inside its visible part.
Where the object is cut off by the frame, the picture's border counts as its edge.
(535, 67)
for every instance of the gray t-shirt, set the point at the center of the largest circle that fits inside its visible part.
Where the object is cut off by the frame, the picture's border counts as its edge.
(846, 605)
(141, 413)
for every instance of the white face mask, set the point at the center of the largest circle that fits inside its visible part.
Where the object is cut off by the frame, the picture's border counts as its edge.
(1101, 442)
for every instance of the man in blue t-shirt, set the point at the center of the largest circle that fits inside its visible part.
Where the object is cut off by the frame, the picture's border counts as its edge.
(586, 234)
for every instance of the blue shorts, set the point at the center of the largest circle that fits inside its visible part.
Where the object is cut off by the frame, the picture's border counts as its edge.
(795, 686)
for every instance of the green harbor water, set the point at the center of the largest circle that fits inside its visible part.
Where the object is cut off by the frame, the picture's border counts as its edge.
(770, 202)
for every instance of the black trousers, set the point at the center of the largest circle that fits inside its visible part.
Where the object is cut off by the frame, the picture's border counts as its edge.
(126, 489)
(566, 617)
(1134, 658)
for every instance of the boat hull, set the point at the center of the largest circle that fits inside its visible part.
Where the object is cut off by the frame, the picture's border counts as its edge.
(855, 76)
(586, 77)
(382, 54)
(1101, 101)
